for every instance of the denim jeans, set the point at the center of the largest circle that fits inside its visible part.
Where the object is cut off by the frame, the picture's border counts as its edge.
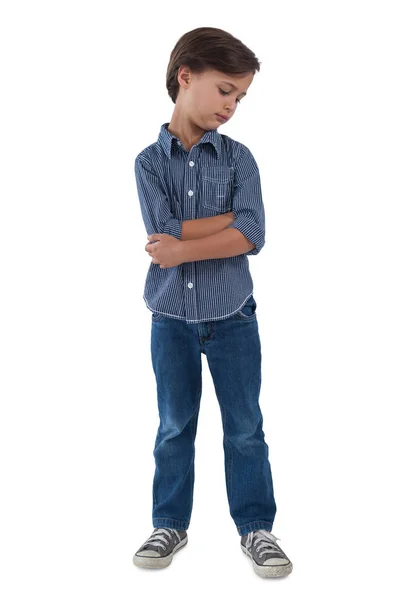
(233, 350)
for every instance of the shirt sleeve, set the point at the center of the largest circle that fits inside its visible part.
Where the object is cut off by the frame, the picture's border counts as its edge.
(154, 203)
(247, 203)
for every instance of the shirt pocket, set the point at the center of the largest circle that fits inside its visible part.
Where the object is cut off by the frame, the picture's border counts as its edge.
(217, 187)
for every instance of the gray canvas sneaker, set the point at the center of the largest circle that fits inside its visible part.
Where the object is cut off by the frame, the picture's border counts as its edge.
(158, 550)
(267, 557)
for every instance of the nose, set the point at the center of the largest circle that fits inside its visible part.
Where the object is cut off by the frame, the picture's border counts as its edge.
(230, 108)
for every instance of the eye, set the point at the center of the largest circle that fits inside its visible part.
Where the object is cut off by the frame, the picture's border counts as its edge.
(226, 93)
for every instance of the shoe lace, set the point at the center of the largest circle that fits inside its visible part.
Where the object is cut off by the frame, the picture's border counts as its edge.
(263, 540)
(157, 537)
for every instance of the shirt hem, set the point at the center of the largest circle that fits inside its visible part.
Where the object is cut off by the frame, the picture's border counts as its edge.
(196, 320)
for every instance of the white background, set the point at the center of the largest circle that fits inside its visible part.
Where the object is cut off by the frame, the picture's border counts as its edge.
(83, 92)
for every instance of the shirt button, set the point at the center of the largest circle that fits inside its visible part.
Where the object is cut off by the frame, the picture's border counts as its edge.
(190, 193)
(191, 163)
(190, 285)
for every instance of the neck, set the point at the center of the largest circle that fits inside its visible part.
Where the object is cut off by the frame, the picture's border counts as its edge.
(185, 129)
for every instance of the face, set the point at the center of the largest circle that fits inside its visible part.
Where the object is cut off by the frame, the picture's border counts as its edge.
(210, 93)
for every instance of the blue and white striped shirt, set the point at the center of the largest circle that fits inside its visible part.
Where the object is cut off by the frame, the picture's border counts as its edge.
(218, 175)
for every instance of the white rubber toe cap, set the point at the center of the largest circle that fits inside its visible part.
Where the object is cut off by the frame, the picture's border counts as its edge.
(272, 562)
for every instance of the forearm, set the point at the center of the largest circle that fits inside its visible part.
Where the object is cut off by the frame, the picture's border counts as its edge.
(226, 243)
(199, 228)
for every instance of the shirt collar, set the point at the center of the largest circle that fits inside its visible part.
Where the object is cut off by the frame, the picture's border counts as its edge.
(165, 139)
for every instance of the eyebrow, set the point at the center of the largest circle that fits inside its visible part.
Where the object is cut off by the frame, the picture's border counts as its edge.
(234, 86)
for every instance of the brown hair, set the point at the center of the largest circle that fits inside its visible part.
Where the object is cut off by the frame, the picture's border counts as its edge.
(209, 48)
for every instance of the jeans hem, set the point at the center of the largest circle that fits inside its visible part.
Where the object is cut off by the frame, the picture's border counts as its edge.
(181, 525)
(253, 525)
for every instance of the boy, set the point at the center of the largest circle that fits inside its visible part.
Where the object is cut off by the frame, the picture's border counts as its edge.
(200, 198)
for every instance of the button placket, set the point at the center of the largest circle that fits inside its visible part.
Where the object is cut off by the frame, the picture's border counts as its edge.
(191, 207)
(191, 214)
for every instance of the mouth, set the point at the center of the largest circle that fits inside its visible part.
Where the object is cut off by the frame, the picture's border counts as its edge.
(222, 118)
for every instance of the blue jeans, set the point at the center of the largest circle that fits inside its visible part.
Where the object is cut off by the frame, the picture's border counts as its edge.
(233, 350)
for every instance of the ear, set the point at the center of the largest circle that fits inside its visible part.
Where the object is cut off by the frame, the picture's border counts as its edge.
(184, 75)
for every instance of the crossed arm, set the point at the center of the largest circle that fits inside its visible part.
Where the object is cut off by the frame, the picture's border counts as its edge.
(210, 238)
(221, 236)
(198, 228)
(200, 239)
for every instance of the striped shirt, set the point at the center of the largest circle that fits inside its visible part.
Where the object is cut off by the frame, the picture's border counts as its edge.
(218, 175)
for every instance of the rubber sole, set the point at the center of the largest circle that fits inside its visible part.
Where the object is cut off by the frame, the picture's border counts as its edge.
(153, 562)
(269, 571)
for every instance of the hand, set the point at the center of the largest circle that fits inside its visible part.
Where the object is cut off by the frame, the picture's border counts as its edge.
(166, 251)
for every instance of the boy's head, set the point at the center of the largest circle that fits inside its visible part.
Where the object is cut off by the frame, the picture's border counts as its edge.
(204, 66)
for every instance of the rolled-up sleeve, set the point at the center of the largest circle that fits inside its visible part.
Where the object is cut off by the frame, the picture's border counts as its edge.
(154, 203)
(247, 203)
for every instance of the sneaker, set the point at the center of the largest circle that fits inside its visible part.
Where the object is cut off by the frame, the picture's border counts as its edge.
(158, 550)
(267, 557)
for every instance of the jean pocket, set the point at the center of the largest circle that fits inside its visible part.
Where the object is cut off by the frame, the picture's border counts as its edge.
(155, 317)
(248, 311)
(217, 188)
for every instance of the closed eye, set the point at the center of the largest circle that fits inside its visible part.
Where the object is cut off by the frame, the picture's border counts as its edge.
(226, 93)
